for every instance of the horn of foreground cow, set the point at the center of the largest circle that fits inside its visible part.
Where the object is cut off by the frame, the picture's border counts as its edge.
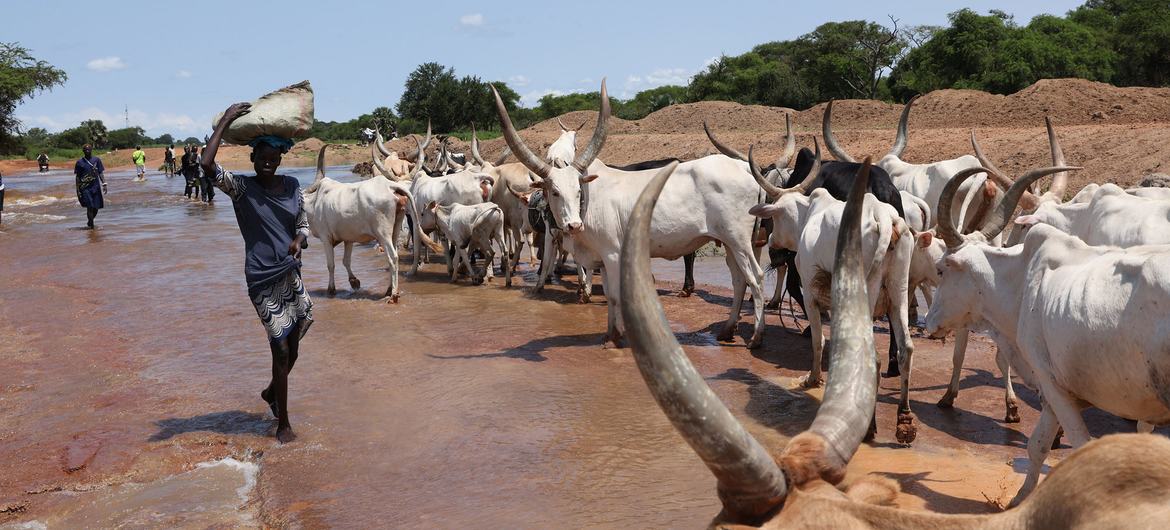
(830, 140)
(1006, 208)
(515, 143)
(503, 156)
(382, 168)
(750, 482)
(597, 141)
(774, 191)
(475, 148)
(1059, 180)
(789, 144)
(727, 150)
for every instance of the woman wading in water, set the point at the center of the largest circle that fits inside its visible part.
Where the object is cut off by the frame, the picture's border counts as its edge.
(91, 184)
(275, 228)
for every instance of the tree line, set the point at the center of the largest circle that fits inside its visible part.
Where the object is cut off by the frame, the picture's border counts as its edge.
(1122, 42)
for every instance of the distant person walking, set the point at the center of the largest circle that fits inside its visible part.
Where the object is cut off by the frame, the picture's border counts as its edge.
(91, 184)
(169, 161)
(190, 171)
(271, 216)
(139, 157)
(207, 181)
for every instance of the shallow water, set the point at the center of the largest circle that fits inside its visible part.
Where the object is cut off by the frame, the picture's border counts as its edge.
(130, 354)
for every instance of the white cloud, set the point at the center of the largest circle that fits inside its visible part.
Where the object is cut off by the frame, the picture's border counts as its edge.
(183, 74)
(532, 98)
(471, 20)
(155, 123)
(106, 64)
(519, 80)
(659, 77)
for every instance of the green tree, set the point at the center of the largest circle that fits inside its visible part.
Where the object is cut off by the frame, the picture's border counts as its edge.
(22, 76)
(126, 138)
(381, 118)
(165, 139)
(95, 133)
(648, 101)
(1139, 34)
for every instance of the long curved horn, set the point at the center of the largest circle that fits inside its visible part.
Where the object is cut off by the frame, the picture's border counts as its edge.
(563, 128)
(727, 150)
(475, 148)
(750, 482)
(503, 156)
(320, 164)
(582, 126)
(789, 144)
(379, 142)
(1006, 207)
(903, 135)
(382, 169)
(998, 176)
(1059, 180)
(946, 224)
(421, 158)
(772, 190)
(845, 413)
(526, 157)
(587, 155)
(830, 140)
(418, 156)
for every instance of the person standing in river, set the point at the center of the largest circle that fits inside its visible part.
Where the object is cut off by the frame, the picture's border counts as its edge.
(91, 184)
(169, 161)
(272, 220)
(139, 157)
(190, 171)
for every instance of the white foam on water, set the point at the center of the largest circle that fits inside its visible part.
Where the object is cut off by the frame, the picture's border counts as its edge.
(248, 469)
(30, 525)
(39, 200)
(32, 218)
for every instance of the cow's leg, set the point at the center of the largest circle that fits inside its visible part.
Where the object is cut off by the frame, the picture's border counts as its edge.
(753, 275)
(1145, 427)
(1012, 412)
(688, 286)
(1039, 444)
(489, 258)
(449, 253)
(530, 238)
(738, 286)
(899, 325)
(611, 282)
(345, 259)
(776, 261)
(813, 378)
(392, 262)
(585, 284)
(957, 356)
(546, 263)
(329, 264)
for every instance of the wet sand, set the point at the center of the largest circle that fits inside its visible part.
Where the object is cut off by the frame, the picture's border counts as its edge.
(130, 355)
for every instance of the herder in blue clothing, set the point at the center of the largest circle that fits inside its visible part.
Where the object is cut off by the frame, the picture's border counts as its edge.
(271, 216)
(91, 184)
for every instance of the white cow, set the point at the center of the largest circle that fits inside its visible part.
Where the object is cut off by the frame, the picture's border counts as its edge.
(371, 210)
(562, 152)
(810, 226)
(401, 169)
(1086, 321)
(464, 187)
(513, 186)
(706, 200)
(475, 227)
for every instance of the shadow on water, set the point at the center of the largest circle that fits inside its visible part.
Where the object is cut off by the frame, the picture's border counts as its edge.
(916, 484)
(533, 350)
(226, 422)
(786, 411)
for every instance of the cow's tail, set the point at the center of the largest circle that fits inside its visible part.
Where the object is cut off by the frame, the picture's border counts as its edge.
(419, 236)
(885, 241)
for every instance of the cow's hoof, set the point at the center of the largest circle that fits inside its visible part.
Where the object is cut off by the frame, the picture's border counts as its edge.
(727, 335)
(686, 291)
(1013, 414)
(331, 291)
(892, 371)
(355, 283)
(907, 431)
(808, 381)
(871, 432)
(582, 297)
(393, 299)
(755, 343)
(772, 305)
(1056, 439)
(947, 401)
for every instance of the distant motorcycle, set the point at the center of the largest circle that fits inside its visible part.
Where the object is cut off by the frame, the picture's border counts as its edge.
(44, 165)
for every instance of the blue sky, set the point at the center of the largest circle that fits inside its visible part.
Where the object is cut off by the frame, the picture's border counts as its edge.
(175, 67)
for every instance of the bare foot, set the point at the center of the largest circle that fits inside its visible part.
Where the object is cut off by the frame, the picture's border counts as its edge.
(266, 395)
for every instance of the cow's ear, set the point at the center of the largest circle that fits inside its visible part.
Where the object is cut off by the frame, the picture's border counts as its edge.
(589, 178)
(1027, 220)
(924, 239)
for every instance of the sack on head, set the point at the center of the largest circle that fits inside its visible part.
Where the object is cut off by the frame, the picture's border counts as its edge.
(287, 113)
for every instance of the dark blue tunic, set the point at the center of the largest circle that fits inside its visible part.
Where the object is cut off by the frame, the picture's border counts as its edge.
(88, 173)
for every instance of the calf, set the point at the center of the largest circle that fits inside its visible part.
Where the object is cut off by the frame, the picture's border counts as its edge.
(470, 228)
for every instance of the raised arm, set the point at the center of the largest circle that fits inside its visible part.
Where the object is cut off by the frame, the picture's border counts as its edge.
(230, 115)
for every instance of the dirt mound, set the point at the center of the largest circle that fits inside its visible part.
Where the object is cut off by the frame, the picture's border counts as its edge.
(311, 144)
(720, 115)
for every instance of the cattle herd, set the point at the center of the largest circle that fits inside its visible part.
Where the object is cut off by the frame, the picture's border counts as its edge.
(1072, 293)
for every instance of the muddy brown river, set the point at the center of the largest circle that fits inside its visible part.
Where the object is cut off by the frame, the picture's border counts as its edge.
(131, 362)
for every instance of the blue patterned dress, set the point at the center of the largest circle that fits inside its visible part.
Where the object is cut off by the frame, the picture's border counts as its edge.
(269, 222)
